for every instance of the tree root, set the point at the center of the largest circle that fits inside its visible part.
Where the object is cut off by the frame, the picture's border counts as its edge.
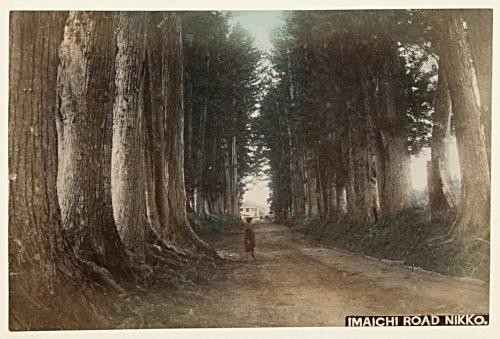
(155, 239)
(102, 276)
(171, 259)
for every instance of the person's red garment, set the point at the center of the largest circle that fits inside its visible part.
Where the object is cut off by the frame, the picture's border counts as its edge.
(249, 240)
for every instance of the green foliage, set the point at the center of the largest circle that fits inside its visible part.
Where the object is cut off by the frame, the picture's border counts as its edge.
(314, 88)
(221, 90)
(419, 88)
(209, 224)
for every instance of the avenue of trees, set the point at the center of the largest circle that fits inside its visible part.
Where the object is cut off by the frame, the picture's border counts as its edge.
(124, 124)
(221, 92)
(353, 94)
(107, 113)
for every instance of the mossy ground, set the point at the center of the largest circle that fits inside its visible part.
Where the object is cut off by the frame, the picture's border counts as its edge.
(410, 236)
(212, 224)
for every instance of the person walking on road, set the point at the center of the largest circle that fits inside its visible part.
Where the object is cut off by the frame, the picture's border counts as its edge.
(249, 239)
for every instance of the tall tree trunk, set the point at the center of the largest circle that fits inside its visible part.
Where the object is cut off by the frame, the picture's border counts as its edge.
(41, 264)
(188, 140)
(128, 178)
(85, 90)
(306, 184)
(173, 101)
(349, 153)
(372, 197)
(340, 166)
(235, 208)
(341, 202)
(394, 171)
(227, 191)
(155, 114)
(473, 219)
(323, 182)
(157, 230)
(312, 184)
(201, 194)
(365, 185)
(292, 167)
(480, 38)
(440, 194)
(301, 183)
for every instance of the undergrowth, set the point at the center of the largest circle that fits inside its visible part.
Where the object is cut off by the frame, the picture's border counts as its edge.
(172, 270)
(209, 224)
(409, 236)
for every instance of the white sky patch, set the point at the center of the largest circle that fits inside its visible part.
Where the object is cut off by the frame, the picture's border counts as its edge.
(260, 24)
(419, 166)
(258, 192)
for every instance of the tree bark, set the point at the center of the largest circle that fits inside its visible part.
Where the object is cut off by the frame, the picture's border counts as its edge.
(440, 194)
(292, 168)
(348, 154)
(480, 38)
(365, 182)
(188, 140)
(300, 183)
(473, 219)
(312, 186)
(128, 178)
(235, 208)
(40, 260)
(85, 93)
(173, 101)
(226, 191)
(201, 195)
(394, 170)
(155, 114)
(157, 230)
(371, 193)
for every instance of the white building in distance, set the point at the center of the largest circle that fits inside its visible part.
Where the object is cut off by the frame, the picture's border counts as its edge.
(250, 210)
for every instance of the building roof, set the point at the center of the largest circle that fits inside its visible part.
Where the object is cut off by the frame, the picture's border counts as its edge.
(249, 204)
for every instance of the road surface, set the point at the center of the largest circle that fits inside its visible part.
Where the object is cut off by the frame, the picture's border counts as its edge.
(294, 282)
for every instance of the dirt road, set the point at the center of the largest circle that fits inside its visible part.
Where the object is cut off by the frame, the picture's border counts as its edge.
(296, 283)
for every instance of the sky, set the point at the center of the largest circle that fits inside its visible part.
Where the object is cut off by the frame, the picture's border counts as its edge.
(261, 24)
